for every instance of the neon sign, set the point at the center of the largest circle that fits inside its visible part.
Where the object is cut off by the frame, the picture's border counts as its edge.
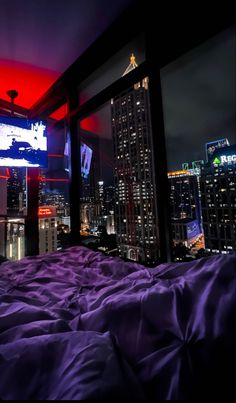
(213, 146)
(177, 173)
(224, 159)
(45, 211)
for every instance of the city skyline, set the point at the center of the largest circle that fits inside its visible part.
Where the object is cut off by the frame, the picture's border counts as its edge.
(199, 98)
(186, 224)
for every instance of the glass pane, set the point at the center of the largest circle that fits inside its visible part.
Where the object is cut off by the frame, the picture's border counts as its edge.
(118, 204)
(199, 110)
(97, 176)
(111, 70)
(54, 209)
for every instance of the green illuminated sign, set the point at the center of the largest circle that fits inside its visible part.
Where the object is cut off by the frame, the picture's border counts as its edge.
(217, 161)
(224, 159)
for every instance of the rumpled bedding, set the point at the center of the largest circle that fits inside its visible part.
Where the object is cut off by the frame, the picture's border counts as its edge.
(80, 325)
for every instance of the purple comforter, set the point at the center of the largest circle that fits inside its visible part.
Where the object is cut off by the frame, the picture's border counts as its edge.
(79, 325)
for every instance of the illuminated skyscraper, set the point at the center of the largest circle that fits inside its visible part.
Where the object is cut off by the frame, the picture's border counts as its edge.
(218, 195)
(101, 195)
(184, 195)
(109, 199)
(47, 229)
(135, 194)
(15, 246)
(54, 199)
(185, 207)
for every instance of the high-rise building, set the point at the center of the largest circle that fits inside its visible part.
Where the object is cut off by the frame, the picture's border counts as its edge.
(87, 216)
(185, 207)
(15, 191)
(15, 245)
(101, 196)
(135, 194)
(87, 192)
(47, 229)
(55, 199)
(218, 194)
(110, 223)
(42, 190)
(109, 209)
(184, 195)
(109, 201)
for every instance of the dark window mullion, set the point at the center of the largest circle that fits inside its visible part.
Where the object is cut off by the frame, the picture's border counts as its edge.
(159, 150)
(75, 169)
(113, 90)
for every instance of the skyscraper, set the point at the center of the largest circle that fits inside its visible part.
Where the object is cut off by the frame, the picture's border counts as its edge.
(135, 194)
(218, 194)
(101, 196)
(184, 195)
(15, 245)
(185, 207)
(47, 229)
(15, 192)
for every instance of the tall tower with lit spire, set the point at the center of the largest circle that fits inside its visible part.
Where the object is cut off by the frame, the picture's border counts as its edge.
(135, 194)
(132, 65)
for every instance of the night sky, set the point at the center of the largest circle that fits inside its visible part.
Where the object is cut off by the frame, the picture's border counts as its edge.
(199, 95)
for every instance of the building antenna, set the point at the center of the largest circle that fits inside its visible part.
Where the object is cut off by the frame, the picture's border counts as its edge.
(132, 65)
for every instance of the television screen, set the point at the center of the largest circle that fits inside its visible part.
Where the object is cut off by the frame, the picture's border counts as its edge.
(86, 158)
(23, 143)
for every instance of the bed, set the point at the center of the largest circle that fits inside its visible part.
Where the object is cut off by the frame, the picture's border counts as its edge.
(80, 325)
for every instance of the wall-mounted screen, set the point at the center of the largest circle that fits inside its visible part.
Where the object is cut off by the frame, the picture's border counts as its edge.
(23, 143)
(86, 158)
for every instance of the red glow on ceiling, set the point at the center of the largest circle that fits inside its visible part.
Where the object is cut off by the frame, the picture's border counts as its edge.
(56, 155)
(60, 113)
(92, 124)
(29, 81)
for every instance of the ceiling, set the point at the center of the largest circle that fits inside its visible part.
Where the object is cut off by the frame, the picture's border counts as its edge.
(40, 39)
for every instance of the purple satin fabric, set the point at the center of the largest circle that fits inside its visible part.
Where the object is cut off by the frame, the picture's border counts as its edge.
(79, 325)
